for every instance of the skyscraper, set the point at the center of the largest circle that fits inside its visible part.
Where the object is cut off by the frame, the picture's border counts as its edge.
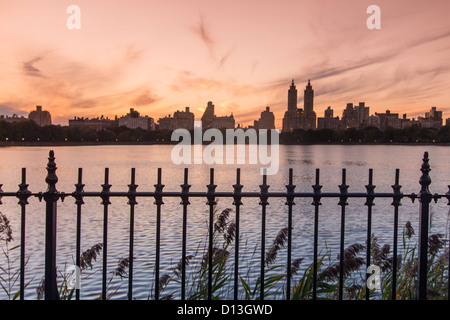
(292, 98)
(295, 118)
(308, 100)
(266, 121)
(184, 119)
(208, 116)
(329, 121)
(210, 120)
(41, 117)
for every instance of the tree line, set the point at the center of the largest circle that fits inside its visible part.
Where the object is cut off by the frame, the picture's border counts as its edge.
(413, 134)
(29, 131)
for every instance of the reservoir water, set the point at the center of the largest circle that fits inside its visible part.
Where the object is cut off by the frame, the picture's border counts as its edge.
(303, 159)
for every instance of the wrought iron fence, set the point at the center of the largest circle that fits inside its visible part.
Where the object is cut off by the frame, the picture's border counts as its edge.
(51, 197)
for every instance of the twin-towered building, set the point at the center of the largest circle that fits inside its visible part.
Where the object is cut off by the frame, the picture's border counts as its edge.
(295, 118)
(353, 116)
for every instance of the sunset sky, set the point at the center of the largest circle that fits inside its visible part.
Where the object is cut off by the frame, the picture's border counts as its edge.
(161, 56)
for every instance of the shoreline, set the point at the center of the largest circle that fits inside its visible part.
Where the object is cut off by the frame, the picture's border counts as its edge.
(114, 143)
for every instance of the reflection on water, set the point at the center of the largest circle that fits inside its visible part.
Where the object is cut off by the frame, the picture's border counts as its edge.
(146, 159)
(354, 164)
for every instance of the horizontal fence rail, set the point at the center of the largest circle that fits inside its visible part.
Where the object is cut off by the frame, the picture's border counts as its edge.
(51, 197)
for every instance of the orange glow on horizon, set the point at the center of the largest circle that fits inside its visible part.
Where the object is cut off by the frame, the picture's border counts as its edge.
(158, 57)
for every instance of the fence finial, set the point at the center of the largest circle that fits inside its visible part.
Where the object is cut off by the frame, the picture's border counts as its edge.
(78, 194)
(185, 189)
(210, 195)
(317, 190)
(343, 190)
(237, 189)
(132, 187)
(264, 190)
(425, 179)
(104, 194)
(158, 189)
(23, 194)
(51, 178)
(396, 187)
(370, 190)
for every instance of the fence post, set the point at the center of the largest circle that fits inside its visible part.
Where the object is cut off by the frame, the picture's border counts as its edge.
(342, 202)
(132, 202)
(316, 202)
(78, 195)
(105, 196)
(264, 196)
(23, 194)
(369, 203)
(289, 202)
(50, 197)
(237, 202)
(396, 203)
(211, 202)
(185, 202)
(158, 201)
(448, 273)
(424, 210)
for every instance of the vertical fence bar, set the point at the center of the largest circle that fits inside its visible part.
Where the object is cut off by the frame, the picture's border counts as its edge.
(185, 202)
(158, 201)
(396, 203)
(316, 202)
(289, 202)
(23, 194)
(78, 194)
(105, 202)
(343, 202)
(211, 202)
(369, 203)
(237, 203)
(132, 202)
(51, 198)
(425, 199)
(263, 196)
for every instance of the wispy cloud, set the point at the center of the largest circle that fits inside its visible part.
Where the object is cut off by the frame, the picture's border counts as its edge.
(203, 32)
(144, 98)
(29, 68)
(83, 88)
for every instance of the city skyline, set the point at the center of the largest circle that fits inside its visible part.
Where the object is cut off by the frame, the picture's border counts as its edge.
(159, 58)
(353, 116)
(305, 118)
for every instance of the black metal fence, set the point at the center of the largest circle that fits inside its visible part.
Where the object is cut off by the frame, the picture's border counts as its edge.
(52, 196)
